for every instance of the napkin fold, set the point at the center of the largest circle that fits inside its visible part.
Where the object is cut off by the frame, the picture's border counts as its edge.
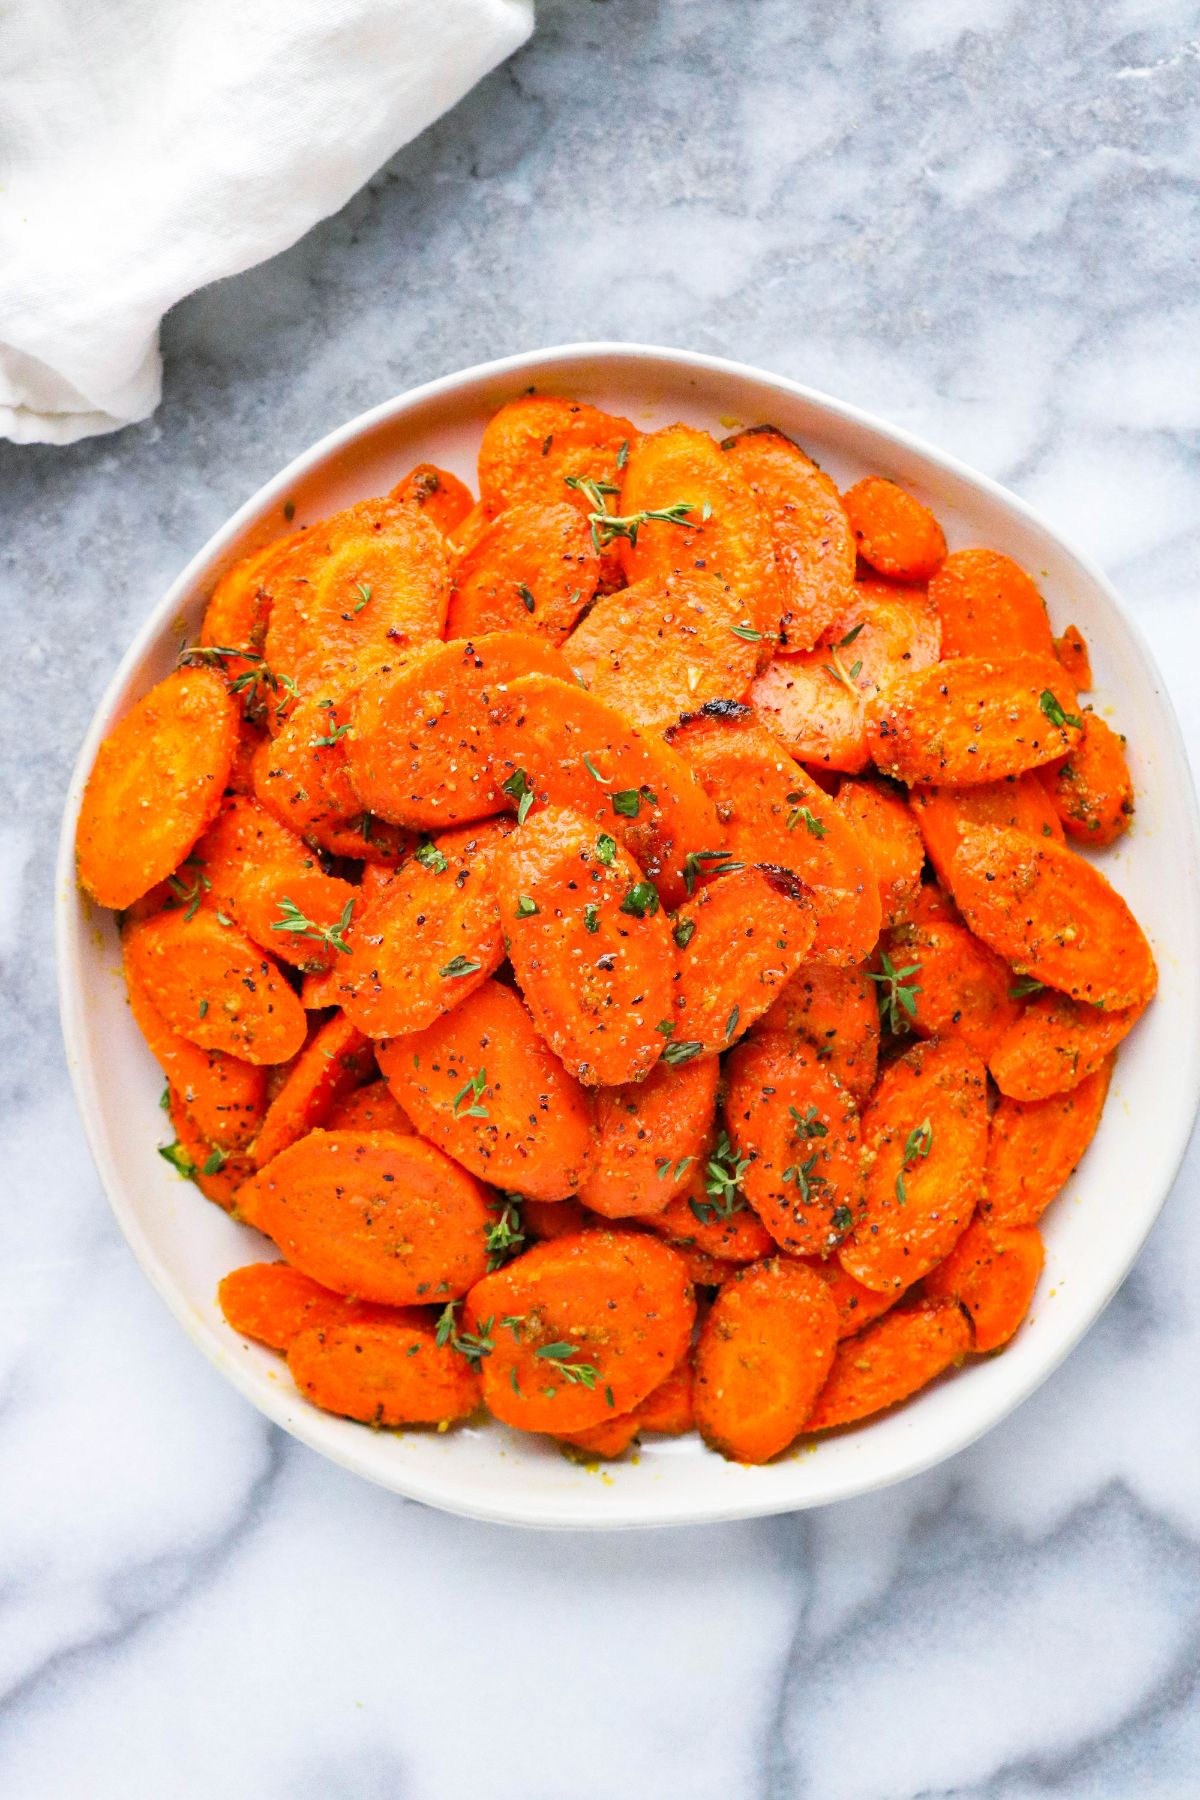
(148, 147)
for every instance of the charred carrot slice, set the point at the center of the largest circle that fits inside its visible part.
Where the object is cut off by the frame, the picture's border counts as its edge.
(216, 1172)
(1072, 652)
(892, 1360)
(481, 1083)
(992, 1271)
(888, 834)
(972, 720)
(419, 749)
(1092, 792)
(590, 946)
(384, 1372)
(273, 1304)
(836, 1011)
(711, 1216)
(648, 1134)
(925, 1133)
(156, 782)
(989, 606)
(1052, 916)
(857, 1306)
(533, 568)
(372, 1107)
(1034, 1146)
(215, 987)
(742, 937)
(1056, 1044)
(1021, 802)
(532, 446)
(799, 1134)
(762, 1357)
(959, 988)
(301, 777)
(894, 532)
(582, 1329)
(332, 1064)
(379, 1217)
(224, 1095)
(436, 493)
(814, 545)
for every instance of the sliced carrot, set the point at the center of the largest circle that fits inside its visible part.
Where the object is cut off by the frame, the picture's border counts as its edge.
(533, 445)
(703, 1270)
(225, 1096)
(469, 529)
(668, 1408)
(610, 1438)
(481, 1083)
(384, 1372)
(648, 1134)
(1092, 792)
(1020, 801)
(1052, 916)
(814, 545)
(372, 1107)
(857, 1306)
(892, 1360)
(239, 611)
(992, 1271)
(273, 1303)
(436, 493)
(301, 777)
(989, 607)
(972, 720)
(772, 811)
(717, 1224)
(741, 938)
(332, 1064)
(241, 774)
(960, 989)
(762, 1357)
(319, 989)
(419, 750)
(582, 1328)
(1056, 1044)
(801, 1135)
(894, 532)
(555, 1218)
(156, 782)
(216, 1172)
(566, 748)
(925, 1134)
(836, 1011)
(1072, 652)
(533, 568)
(378, 1216)
(215, 987)
(891, 839)
(1035, 1145)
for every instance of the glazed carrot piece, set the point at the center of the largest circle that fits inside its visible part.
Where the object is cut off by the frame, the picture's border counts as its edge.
(703, 1270)
(384, 1372)
(156, 782)
(480, 1083)
(857, 1306)
(889, 835)
(225, 1096)
(1092, 792)
(814, 545)
(960, 988)
(716, 524)
(1072, 652)
(556, 1218)
(216, 1172)
(241, 773)
(1052, 916)
(773, 812)
(300, 776)
(273, 1304)
(662, 648)
(894, 532)
(801, 1135)
(762, 1357)
(533, 445)
(215, 987)
(332, 1064)
(710, 1216)
(925, 1135)
(583, 1328)
(647, 1135)
(1034, 1146)
(1056, 1044)
(989, 607)
(1021, 802)
(567, 748)
(380, 1217)
(239, 611)
(319, 989)
(816, 703)
(419, 749)
(892, 1360)
(533, 568)
(992, 1271)
(436, 493)
(610, 1438)
(668, 1408)
(469, 529)
(741, 938)
(973, 720)
(372, 1107)
(836, 1011)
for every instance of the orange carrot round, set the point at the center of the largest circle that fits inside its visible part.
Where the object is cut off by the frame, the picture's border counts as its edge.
(741, 938)
(992, 1271)
(973, 720)
(372, 1107)
(331, 1065)
(888, 834)
(958, 987)
(648, 1134)
(988, 606)
(1093, 792)
(890, 1361)
(225, 1096)
(894, 532)
(384, 1372)
(533, 445)
(273, 1303)
(1035, 1145)
(834, 1010)
(216, 1172)
(437, 494)
(215, 987)
(1021, 802)
(534, 568)
(711, 1217)
(1056, 1044)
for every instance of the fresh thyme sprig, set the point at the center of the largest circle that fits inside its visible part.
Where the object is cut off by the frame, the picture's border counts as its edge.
(897, 995)
(474, 1345)
(607, 526)
(723, 1174)
(300, 925)
(837, 668)
(917, 1146)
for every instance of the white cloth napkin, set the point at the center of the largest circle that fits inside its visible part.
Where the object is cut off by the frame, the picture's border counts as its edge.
(148, 147)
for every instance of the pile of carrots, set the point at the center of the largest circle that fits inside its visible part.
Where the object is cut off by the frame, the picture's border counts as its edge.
(623, 938)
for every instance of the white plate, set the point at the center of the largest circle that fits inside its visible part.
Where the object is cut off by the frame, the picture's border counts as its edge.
(1093, 1233)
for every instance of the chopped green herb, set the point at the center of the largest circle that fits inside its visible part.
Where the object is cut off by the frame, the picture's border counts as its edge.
(662, 1168)
(694, 865)
(193, 895)
(666, 1027)
(339, 731)
(683, 932)
(677, 1053)
(527, 599)
(805, 1178)
(591, 918)
(179, 1160)
(473, 1091)
(897, 995)
(917, 1146)
(526, 907)
(473, 1345)
(1052, 708)
(731, 1023)
(627, 802)
(1021, 989)
(641, 901)
(430, 857)
(295, 922)
(362, 589)
(214, 1162)
(723, 1174)
(811, 823)
(841, 1220)
(577, 1374)
(607, 526)
(606, 848)
(807, 1123)
(204, 1009)
(506, 1233)
(592, 770)
(517, 788)
(747, 632)
(623, 453)
(458, 966)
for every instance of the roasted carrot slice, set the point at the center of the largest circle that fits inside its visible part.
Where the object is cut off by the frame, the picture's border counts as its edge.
(892, 1359)
(225, 1096)
(372, 1107)
(216, 1172)
(481, 1083)
(857, 1306)
(959, 988)
(1035, 1145)
(925, 1134)
(741, 938)
(1072, 652)
(1021, 801)
(214, 986)
(771, 811)
(992, 1271)
(648, 1134)
(419, 748)
(556, 1218)
(237, 615)
(972, 720)
(582, 1328)
(711, 1216)
(273, 1303)
(1092, 792)
(800, 1134)
(533, 445)
(378, 1216)
(241, 774)
(836, 1011)
(668, 1409)
(989, 607)
(437, 493)
(156, 782)
(332, 1064)
(566, 748)
(1056, 1044)
(610, 1438)
(384, 1372)
(816, 703)
(814, 545)
(1052, 916)
(533, 568)
(762, 1357)
(888, 834)
(301, 777)
(590, 946)
(894, 532)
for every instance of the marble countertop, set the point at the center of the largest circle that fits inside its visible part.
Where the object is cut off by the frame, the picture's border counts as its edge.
(978, 218)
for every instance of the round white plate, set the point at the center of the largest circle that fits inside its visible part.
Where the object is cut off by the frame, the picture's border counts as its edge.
(1093, 1233)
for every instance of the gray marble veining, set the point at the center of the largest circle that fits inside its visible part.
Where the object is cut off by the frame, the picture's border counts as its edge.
(977, 217)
